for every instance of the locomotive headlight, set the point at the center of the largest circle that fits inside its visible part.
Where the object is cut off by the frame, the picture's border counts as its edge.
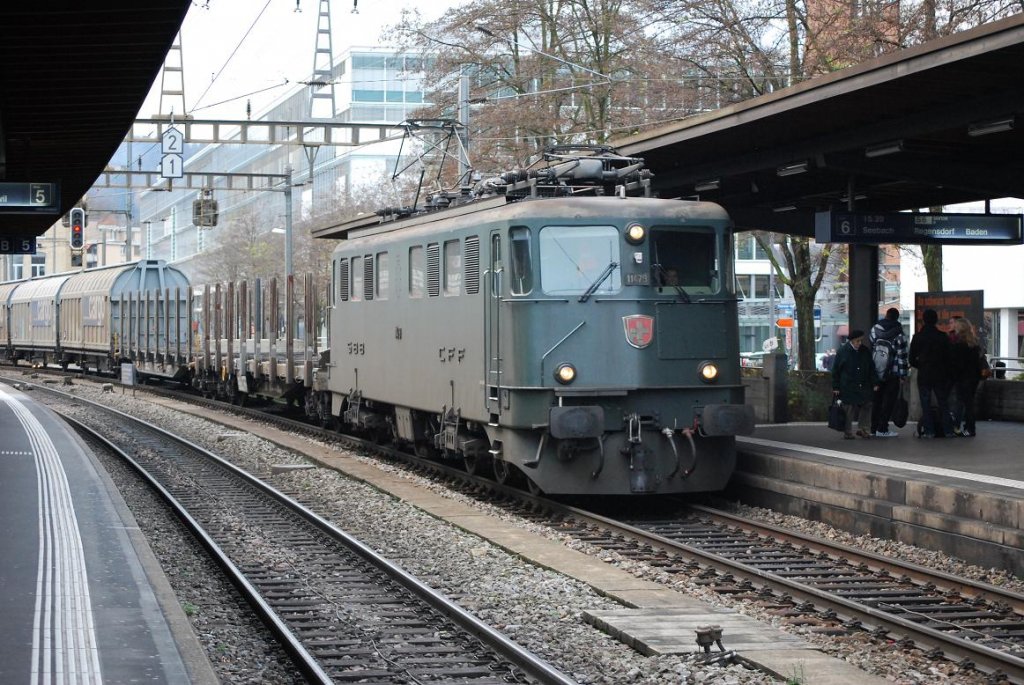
(708, 372)
(565, 373)
(635, 234)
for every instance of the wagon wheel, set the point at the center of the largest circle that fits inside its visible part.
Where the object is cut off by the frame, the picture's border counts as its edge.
(381, 435)
(475, 464)
(502, 471)
(425, 450)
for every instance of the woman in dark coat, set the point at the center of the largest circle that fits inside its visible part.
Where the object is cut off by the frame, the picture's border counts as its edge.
(967, 361)
(854, 380)
(930, 355)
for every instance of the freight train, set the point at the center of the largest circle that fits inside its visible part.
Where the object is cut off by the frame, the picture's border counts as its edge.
(556, 327)
(147, 316)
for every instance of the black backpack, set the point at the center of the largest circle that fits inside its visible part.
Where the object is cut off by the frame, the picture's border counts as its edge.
(883, 354)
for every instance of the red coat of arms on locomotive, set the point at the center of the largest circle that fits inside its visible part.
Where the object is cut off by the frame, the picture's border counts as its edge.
(639, 330)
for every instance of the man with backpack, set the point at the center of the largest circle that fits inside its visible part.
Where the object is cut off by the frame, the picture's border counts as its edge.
(889, 355)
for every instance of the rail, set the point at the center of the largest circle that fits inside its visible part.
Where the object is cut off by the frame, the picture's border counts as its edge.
(289, 631)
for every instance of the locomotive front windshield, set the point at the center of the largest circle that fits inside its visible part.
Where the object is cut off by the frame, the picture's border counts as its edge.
(578, 259)
(686, 258)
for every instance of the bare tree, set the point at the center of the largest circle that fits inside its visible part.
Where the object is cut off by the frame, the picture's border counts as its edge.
(801, 265)
(242, 248)
(546, 72)
(931, 257)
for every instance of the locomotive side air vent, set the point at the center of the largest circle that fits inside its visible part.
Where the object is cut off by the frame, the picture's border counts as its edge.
(343, 280)
(472, 255)
(368, 277)
(433, 270)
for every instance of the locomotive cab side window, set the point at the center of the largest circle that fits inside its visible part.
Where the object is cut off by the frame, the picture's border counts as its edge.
(522, 262)
(356, 293)
(578, 259)
(687, 258)
(452, 267)
(417, 272)
(383, 276)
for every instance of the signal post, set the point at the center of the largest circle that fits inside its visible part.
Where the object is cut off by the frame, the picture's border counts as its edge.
(76, 237)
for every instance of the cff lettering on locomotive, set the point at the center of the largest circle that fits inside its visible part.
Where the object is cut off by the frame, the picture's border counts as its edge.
(557, 327)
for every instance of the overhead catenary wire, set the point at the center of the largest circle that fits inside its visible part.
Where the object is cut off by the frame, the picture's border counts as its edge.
(230, 57)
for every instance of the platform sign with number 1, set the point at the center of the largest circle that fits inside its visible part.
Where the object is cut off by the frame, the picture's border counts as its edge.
(171, 166)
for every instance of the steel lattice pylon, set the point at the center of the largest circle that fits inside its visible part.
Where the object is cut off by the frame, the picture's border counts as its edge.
(321, 88)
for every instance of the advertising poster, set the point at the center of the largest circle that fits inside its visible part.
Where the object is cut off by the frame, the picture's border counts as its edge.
(965, 304)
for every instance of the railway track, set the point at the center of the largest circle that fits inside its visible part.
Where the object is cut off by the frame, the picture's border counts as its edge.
(341, 611)
(833, 588)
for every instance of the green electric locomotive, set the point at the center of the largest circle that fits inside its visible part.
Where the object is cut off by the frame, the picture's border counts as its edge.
(558, 327)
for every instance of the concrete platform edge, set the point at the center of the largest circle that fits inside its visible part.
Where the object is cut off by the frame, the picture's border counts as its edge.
(925, 514)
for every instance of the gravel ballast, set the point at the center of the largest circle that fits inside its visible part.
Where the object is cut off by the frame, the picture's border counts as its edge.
(538, 608)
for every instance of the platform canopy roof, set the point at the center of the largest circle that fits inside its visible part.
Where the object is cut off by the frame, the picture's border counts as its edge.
(936, 124)
(73, 76)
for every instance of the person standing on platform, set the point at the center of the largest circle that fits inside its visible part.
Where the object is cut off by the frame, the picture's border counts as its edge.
(968, 360)
(930, 355)
(889, 353)
(853, 381)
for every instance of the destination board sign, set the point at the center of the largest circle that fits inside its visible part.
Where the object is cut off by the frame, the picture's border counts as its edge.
(29, 198)
(919, 229)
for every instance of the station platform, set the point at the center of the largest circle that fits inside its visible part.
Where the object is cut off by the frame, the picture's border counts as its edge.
(963, 496)
(82, 600)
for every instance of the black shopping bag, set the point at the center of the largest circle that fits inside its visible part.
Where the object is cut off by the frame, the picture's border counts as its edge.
(837, 417)
(901, 410)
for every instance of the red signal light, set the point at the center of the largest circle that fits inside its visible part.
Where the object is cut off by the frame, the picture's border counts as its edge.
(77, 226)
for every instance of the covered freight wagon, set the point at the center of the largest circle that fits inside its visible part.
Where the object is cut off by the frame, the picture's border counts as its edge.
(98, 318)
(6, 289)
(130, 312)
(34, 319)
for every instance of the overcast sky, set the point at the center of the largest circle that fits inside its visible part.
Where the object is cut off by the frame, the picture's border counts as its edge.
(233, 48)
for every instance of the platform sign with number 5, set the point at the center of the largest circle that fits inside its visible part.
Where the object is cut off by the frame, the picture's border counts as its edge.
(29, 198)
